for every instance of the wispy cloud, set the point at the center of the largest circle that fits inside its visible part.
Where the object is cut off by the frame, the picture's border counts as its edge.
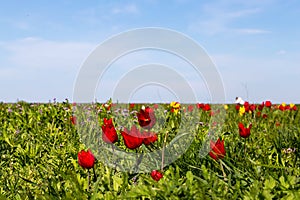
(251, 31)
(281, 52)
(219, 18)
(34, 52)
(36, 69)
(125, 9)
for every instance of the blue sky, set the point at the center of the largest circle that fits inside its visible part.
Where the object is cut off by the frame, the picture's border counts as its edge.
(254, 44)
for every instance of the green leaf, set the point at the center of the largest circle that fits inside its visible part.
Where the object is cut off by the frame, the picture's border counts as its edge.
(283, 183)
(270, 183)
(189, 176)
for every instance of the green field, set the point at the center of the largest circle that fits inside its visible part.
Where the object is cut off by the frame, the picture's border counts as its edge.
(39, 148)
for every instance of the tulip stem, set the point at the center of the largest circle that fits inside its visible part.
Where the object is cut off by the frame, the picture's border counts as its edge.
(163, 152)
(115, 162)
(224, 174)
(245, 147)
(95, 176)
(88, 180)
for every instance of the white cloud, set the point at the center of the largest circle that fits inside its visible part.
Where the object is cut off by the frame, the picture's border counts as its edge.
(125, 9)
(281, 52)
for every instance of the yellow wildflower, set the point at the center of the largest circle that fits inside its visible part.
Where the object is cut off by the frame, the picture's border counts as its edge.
(226, 107)
(175, 106)
(242, 110)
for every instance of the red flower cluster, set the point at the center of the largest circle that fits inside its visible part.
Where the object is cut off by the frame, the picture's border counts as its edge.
(217, 150)
(258, 114)
(287, 107)
(249, 107)
(267, 104)
(109, 134)
(156, 175)
(244, 132)
(86, 159)
(204, 107)
(146, 117)
(134, 139)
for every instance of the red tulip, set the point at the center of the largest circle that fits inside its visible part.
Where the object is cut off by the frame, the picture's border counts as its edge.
(146, 117)
(73, 119)
(155, 106)
(206, 107)
(282, 107)
(190, 108)
(109, 134)
(237, 107)
(200, 105)
(265, 116)
(156, 175)
(149, 138)
(133, 138)
(86, 159)
(246, 106)
(252, 107)
(217, 150)
(268, 104)
(258, 114)
(261, 106)
(131, 106)
(244, 132)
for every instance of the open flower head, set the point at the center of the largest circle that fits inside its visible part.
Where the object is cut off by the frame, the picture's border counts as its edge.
(217, 149)
(133, 138)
